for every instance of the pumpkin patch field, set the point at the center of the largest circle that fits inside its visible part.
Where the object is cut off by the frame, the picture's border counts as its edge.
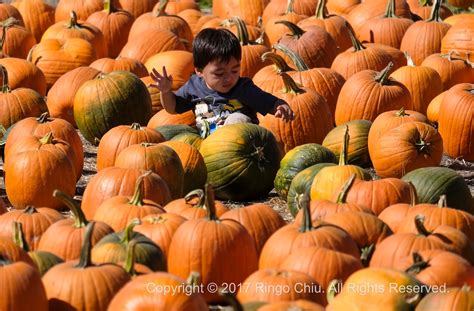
(362, 201)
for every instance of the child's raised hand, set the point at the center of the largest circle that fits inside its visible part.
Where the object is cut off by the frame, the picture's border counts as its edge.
(162, 82)
(284, 112)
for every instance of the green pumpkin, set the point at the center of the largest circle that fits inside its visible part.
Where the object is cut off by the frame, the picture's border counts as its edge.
(44, 260)
(301, 184)
(431, 182)
(242, 161)
(358, 150)
(192, 139)
(171, 130)
(109, 100)
(297, 160)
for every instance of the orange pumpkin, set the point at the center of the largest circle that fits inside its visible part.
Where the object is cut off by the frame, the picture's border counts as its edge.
(179, 64)
(108, 65)
(37, 16)
(16, 40)
(193, 206)
(82, 8)
(22, 73)
(452, 70)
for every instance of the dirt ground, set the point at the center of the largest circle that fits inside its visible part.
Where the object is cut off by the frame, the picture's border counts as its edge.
(465, 169)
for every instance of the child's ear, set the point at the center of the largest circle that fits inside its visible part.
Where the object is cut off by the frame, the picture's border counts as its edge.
(198, 72)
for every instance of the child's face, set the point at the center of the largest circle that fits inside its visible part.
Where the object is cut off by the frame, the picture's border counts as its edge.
(221, 76)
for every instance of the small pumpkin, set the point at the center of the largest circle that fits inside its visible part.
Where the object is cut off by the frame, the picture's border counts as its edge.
(107, 65)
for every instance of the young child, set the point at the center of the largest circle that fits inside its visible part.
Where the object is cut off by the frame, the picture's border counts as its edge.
(217, 93)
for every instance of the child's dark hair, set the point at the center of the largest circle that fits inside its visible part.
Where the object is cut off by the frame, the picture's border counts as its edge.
(215, 45)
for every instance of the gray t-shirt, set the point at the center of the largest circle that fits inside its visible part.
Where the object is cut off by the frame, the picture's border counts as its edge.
(245, 97)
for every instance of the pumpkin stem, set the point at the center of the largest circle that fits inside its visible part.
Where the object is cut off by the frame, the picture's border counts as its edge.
(413, 195)
(341, 198)
(409, 59)
(231, 299)
(278, 61)
(210, 203)
(466, 288)
(424, 2)
(435, 17)
(358, 46)
(242, 31)
(5, 86)
(127, 233)
(290, 8)
(366, 254)
(295, 58)
(109, 7)
(401, 113)
(30, 210)
(160, 11)
(80, 220)
(4, 37)
(4, 261)
(194, 279)
(9, 22)
(382, 76)
(290, 84)
(345, 145)
(443, 201)
(296, 32)
(390, 11)
(129, 265)
(19, 236)
(85, 257)
(320, 10)
(46, 139)
(418, 264)
(303, 203)
(420, 226)
(137, 198)
(199, 193)
(73, 23)
(43, 118)
(332, 289)
(423, 146)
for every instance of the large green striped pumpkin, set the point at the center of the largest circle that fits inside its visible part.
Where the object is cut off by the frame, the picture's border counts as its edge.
(241, 160)
(109, 100)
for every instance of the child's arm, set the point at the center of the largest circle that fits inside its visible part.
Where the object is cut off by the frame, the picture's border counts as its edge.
(283, 110)
(163, 83)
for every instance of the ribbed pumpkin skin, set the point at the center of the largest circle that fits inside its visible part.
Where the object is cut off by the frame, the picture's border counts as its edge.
(126, 101)
(431, 182)
(363, 98)
(454, 298)
(358, 152)
(82, 8)
(452, 69)
(136, 7)
(108, 65)
(296, 160)
(19, 104)
(22, 73)
(456, 126)
(37, 16)
(459, 39)
(242, 161)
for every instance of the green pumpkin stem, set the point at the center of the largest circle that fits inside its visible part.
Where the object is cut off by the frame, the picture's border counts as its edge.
(199, 193)
(19, 236)
(129, 265)
(109, 7)
(160, 11)
(231, 299)
(418, 264)
(5, 85)
(420, 226)
(382, 76)
(401, 112)
(304, 203)
(341, 198)
(413, 195)
(366, 254)
(210, 203)
(4, 37)
(242, 31)
(390, 12)
(194, 279)
(435, 17)
(320, 10)
(127, 233)
(290, 85)
(137, 198)
(85, 257)
(80, 220)
(296, 32)
(30, 210)
(331, 290)
(9, 22)
(73, 23)
(46, 139)
(466, 288)
(290, 8)
(425, 2)
(423, 146)
(358, 46)
(277, 60)
(295, 58)
(43, 118)
(443, 201)
(345, 146)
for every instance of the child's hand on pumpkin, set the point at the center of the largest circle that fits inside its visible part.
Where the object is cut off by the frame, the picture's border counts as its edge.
(162, 82)
(283, 111)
